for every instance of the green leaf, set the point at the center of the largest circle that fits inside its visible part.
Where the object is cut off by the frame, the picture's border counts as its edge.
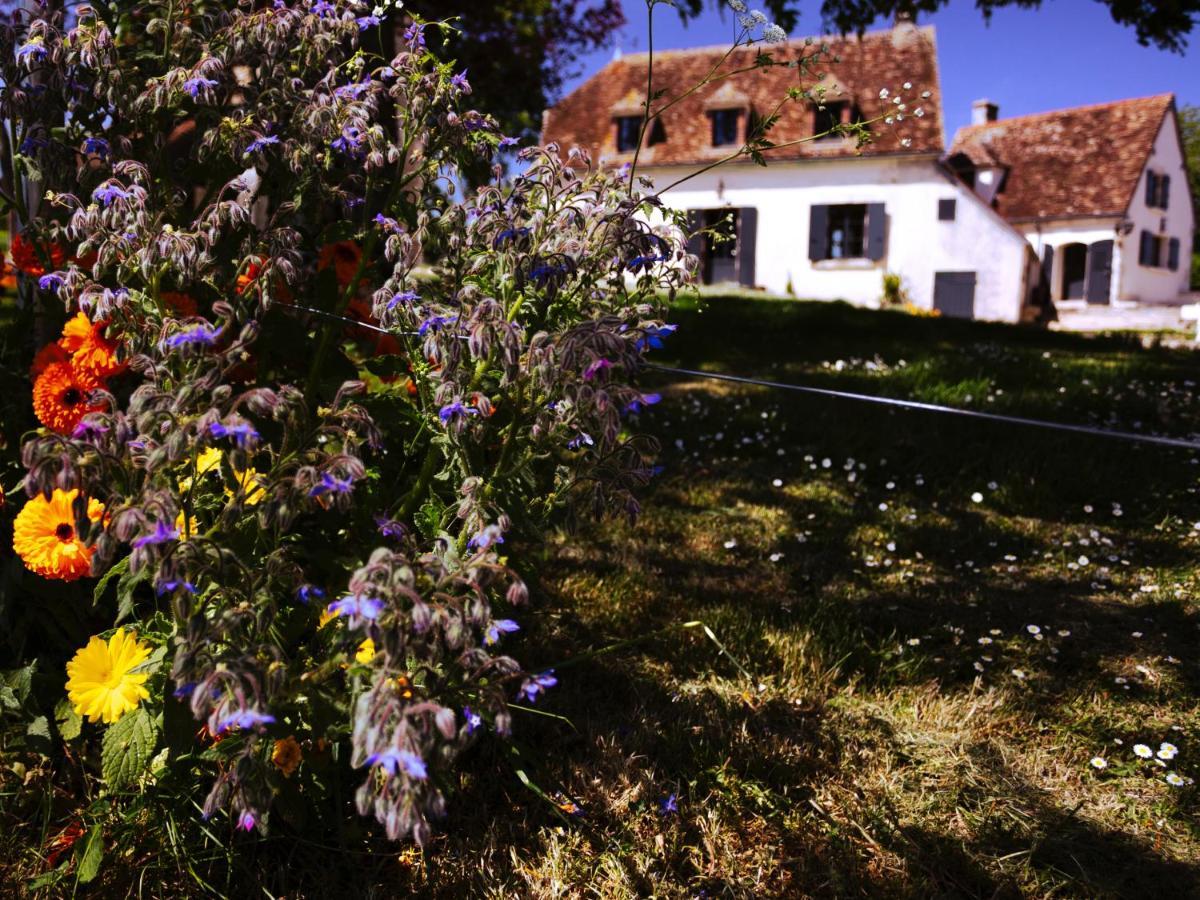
(128, 746)
(68, 721)
(125, 589)
(116, 571)
(429, 517)
(37, 736)
(89, 853)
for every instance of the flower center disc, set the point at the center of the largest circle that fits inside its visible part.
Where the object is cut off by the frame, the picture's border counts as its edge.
(71, 396)
(64, 532)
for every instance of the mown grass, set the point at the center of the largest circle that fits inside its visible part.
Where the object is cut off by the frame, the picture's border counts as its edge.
(855, 738)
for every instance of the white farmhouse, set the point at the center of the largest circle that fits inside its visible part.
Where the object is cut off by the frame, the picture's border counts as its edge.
(827, 219)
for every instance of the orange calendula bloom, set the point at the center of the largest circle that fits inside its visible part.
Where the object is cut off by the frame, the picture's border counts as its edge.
(287, 755)
(51, 353)
(44, 536)
(91, 352)
(344, 256)
(101, 681)
(60, 396)
(28, 259)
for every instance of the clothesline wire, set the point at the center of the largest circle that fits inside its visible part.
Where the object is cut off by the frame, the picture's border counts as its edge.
(1092, 430)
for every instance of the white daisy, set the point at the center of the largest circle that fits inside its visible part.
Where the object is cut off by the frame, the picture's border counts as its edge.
(1099, 762)
(1175, 780)
(1167, 751)
(1142, 751)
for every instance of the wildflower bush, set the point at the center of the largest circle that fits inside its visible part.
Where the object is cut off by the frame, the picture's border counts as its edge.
(296, 396)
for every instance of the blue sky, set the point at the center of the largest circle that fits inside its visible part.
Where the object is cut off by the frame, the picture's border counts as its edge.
(1068, 53)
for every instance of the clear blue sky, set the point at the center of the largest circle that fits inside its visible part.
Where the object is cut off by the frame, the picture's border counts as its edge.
(1068, 53)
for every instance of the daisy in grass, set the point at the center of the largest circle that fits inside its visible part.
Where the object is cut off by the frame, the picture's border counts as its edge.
(60, 395)
(101, 683)
(1142, 751)
(1099, 762)
(44, 536)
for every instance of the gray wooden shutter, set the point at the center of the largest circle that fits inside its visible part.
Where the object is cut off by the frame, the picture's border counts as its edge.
(747, 237)
(1173, 254)
(1044, 282)
(876, 231)
(1146, 250)
(1099, 275)
(1151, 188)
(818, 232)
(1164, 191)
(954, 294)
(946, 210)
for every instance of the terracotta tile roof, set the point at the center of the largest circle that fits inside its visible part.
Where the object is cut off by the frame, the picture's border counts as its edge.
(1084, 161)
(854, 69)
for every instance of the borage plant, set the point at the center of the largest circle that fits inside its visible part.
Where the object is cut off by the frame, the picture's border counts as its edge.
(259, 380)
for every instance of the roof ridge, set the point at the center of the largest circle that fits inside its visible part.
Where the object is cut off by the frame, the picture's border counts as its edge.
(1170, 95)
(790, 43)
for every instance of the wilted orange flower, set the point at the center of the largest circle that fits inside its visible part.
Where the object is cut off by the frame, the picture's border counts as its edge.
(183, 305)
(51, 353)
(44, 536)
(60, 396)
(26, 258)
(62, 842)
(344, 256)
(92, 353)
(286, 755)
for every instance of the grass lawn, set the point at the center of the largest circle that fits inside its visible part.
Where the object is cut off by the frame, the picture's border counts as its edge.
(931, 627)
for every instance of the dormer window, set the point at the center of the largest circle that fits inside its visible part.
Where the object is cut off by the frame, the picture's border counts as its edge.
(629, 129)
(832, 114)
(724, 126)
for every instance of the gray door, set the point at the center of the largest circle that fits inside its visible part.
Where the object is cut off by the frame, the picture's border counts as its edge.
(720, 260)
(954, 294)
(1099, 276)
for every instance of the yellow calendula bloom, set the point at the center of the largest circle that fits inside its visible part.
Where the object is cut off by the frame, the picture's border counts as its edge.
(250, 486)
(101, 683)
(286, 755)
(207, 461)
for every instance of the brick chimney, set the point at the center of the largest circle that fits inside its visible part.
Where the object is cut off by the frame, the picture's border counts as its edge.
(984, 111)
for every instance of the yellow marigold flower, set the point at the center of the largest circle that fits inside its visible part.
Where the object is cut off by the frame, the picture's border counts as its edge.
(44, 536)
(186, 529)
(101, 683)
(286, 755)
(250, 487)
(206, 462)
(366, 651)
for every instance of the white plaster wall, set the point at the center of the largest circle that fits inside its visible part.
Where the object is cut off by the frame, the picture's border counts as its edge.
(918, 245)
(1143, 283)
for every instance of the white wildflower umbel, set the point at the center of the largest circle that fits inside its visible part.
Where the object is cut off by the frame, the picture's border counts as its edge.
(773, 34)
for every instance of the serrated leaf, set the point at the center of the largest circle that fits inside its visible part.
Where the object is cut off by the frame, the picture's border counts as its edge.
(125, 588)
(69, 722)
(116, 571)
(429, 517)
(37, 736)
(128, 746)
(90, 853)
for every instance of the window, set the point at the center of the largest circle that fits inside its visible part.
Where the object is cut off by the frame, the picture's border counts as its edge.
(1158, 190)
(829, 116)
(628, 130)
(1152, 251)
(724, 126)
(946, 210)
(658, 134)
(847, 231)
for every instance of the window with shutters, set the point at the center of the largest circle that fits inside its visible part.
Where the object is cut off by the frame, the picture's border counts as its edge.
(847, 231)
(946, 210)
(724, 126)
(628, 130)
(1152, 250)
(1158, 190)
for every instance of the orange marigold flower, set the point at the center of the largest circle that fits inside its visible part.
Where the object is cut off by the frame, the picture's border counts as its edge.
(44, 536)
(344, 256)
(60, 397)
(92, 353)
(47, 356)
(286, 755)
(28, 257)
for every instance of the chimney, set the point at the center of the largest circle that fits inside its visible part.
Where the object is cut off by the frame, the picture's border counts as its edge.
(984, 111)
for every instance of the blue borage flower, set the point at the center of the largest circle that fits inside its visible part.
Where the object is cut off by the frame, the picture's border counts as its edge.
(547, 272)
(402, 297)
(90, 431)
(351, 143)
(51, 281)
(489, 535)
(634, 406)
(259, 144)
(498, 627)
(654, 335)
(331, 484)
(435, 323)
(173, 585)
(595, 368)
(669, 806)
(184, 690)
(644, 263)
(241, 432)
(356, 606)
(365, 22)
(583, 439)
(509, 234)
(509, 142)
(246, 820)
(390, 528)
(460, 81)
(322, 8)
(199, 84)
(392, 760)
(354, 90)
(456, 410)
(414, 35)
(308, 592)
(98, 146)
(162, 534)
(199, 335)
(388, 224)
(535, 685)
(474, 720)
(32, 144)
(34, 49)
(109, 192)
(245, 719)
